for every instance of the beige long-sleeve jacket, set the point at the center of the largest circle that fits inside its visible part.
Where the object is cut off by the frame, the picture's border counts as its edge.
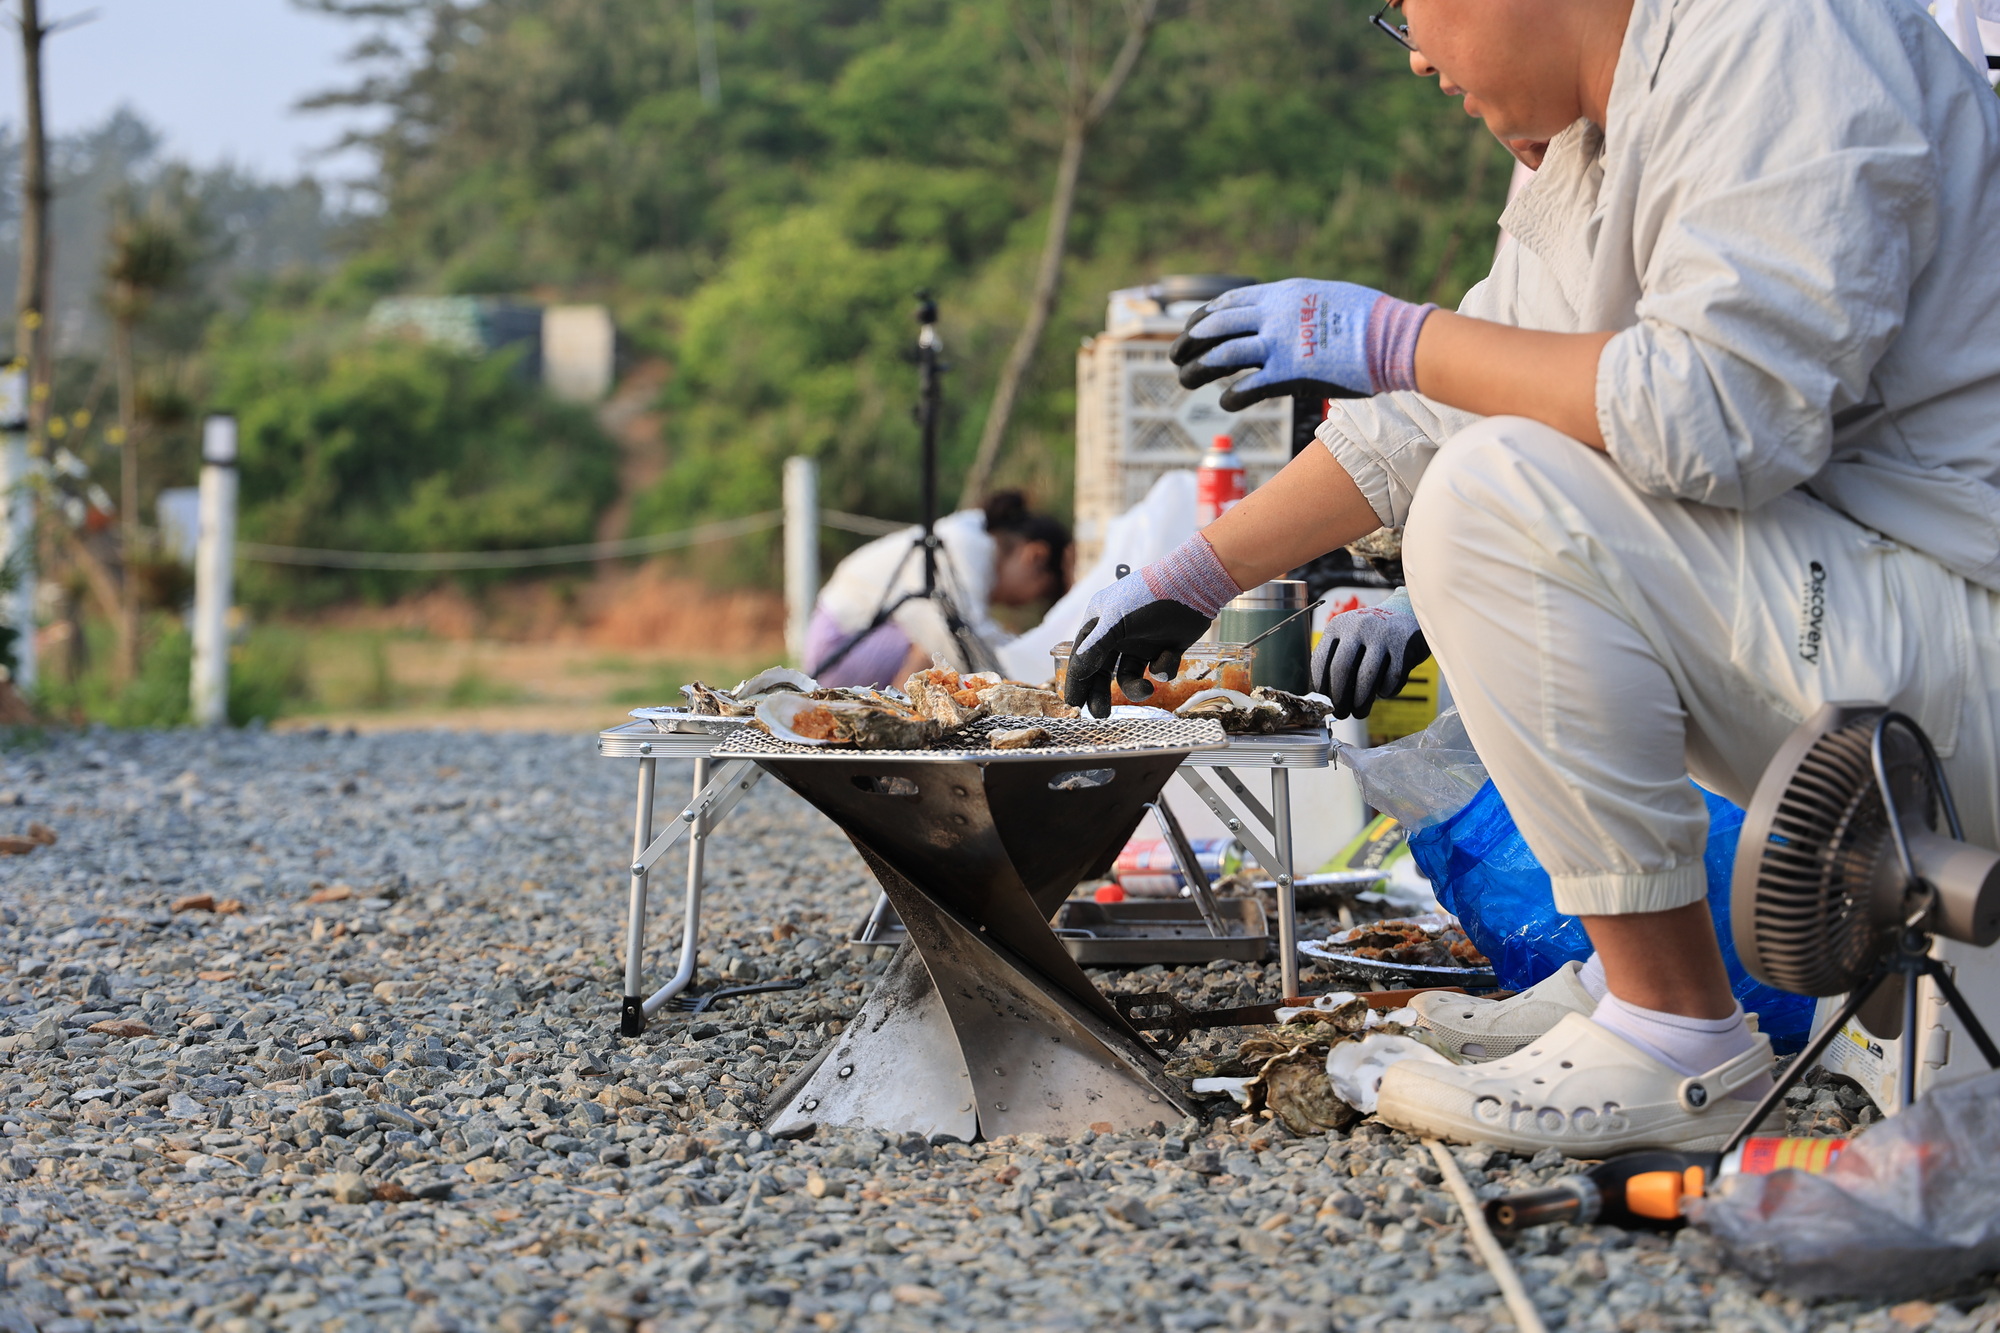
(1792, 224)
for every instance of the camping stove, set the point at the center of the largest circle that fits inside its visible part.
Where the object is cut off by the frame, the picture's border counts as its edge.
(983, 1023)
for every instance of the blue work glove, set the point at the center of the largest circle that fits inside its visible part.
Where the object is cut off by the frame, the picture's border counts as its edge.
(1305, 337)
(1146, 619)
(1367, 654)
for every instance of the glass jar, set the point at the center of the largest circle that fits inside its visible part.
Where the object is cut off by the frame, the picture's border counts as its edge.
(1205, 666)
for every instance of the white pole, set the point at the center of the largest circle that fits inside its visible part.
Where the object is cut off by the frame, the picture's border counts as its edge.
(17, 531)
(801, 552)
(214, 568)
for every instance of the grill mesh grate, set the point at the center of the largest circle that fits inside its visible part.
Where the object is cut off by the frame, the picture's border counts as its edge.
(1071, 737)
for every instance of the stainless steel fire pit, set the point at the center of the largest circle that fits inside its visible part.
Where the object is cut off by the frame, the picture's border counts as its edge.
(983, 1024)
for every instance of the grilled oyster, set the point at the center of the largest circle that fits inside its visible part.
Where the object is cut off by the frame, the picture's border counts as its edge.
(771, 680)
(1298, 710)
(1238, 713)
(860, 694)
(941, 694)
(1021, 738)
(707, 701)
(1010, 698)
(804, 721)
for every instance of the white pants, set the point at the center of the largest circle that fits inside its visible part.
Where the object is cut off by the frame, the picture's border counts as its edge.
(1602, 645)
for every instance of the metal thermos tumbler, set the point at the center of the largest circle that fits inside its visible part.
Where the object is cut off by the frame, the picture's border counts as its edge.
(1284, 661)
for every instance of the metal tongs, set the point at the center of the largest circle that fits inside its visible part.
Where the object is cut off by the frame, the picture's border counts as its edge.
(1252, 643)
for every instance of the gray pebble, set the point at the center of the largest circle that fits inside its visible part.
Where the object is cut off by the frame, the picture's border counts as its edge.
(389, 1092)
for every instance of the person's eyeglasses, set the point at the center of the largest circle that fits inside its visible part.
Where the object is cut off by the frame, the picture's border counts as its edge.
(1399, 31)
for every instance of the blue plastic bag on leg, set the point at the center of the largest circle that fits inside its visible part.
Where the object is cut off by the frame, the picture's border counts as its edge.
(1481, 869)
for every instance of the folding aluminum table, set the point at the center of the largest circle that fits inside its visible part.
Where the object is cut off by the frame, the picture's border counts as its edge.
(1280, 753)
(715, 795)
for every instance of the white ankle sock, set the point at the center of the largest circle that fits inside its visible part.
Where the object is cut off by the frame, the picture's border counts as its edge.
(1591, 976)
(1689, 1045)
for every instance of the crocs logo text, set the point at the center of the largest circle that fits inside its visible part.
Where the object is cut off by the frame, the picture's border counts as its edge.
(1584, 1121)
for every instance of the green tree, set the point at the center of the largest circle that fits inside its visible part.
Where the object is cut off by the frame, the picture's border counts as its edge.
(389, 445)
(765, 242)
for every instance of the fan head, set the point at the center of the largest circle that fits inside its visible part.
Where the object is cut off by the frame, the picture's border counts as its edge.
(1820, 896)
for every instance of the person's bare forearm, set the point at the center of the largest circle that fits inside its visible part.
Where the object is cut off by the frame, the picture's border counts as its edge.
(1305, 511)
(1497, 370)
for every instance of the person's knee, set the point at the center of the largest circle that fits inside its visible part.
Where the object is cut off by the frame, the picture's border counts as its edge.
(1476, 500)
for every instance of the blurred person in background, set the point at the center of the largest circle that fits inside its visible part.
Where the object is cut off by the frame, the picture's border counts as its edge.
(1001, 554)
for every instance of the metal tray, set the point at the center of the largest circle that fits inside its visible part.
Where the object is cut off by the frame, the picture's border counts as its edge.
(680, 720)
(1380, 969)
(1136, 934)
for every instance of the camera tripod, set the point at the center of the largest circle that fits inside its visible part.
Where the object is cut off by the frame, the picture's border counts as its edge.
(930, 368)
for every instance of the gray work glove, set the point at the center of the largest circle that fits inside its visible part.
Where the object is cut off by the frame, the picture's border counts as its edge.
(1367, 654)
(1146, 619)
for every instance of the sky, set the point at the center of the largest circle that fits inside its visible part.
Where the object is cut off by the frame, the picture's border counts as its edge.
(217, 77)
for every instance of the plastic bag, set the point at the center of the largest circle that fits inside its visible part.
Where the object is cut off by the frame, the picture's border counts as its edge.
(1481, 869)
(1421, 779)
(1484, 874)
(1906, 1210)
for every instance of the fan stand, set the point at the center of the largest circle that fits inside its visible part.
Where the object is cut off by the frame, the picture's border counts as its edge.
(1912, 961)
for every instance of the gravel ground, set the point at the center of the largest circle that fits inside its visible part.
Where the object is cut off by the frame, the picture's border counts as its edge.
(404, 1104)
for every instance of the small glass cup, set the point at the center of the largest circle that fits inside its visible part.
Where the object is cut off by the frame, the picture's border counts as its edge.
(1205, 666)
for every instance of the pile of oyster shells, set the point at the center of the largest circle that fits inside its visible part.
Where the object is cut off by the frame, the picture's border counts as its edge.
(932, 704)
(938, 702)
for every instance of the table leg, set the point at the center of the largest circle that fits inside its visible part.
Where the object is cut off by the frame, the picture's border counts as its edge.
(704, 825)
(632, 1019)
(1282, 873)
(875, 919)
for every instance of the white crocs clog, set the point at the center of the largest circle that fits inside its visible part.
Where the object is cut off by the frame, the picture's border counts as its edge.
(1488, 1029)
(1582, 1090)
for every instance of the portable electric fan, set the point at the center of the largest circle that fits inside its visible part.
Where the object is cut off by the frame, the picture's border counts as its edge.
(1842, 880)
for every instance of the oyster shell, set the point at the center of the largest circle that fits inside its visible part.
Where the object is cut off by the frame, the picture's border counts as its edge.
(1282, 1071)
(1262, 711)
(707, 701)
(1346, 1012)
(1355, 1068)
(803, 721)
(1237, 712)
(773, 679)
(1298, 1090)
(1299, 710)
(1216, 703)
(795, 718)
(861, 694)
(1010, 698)
(940, 695)
(1021, 738)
